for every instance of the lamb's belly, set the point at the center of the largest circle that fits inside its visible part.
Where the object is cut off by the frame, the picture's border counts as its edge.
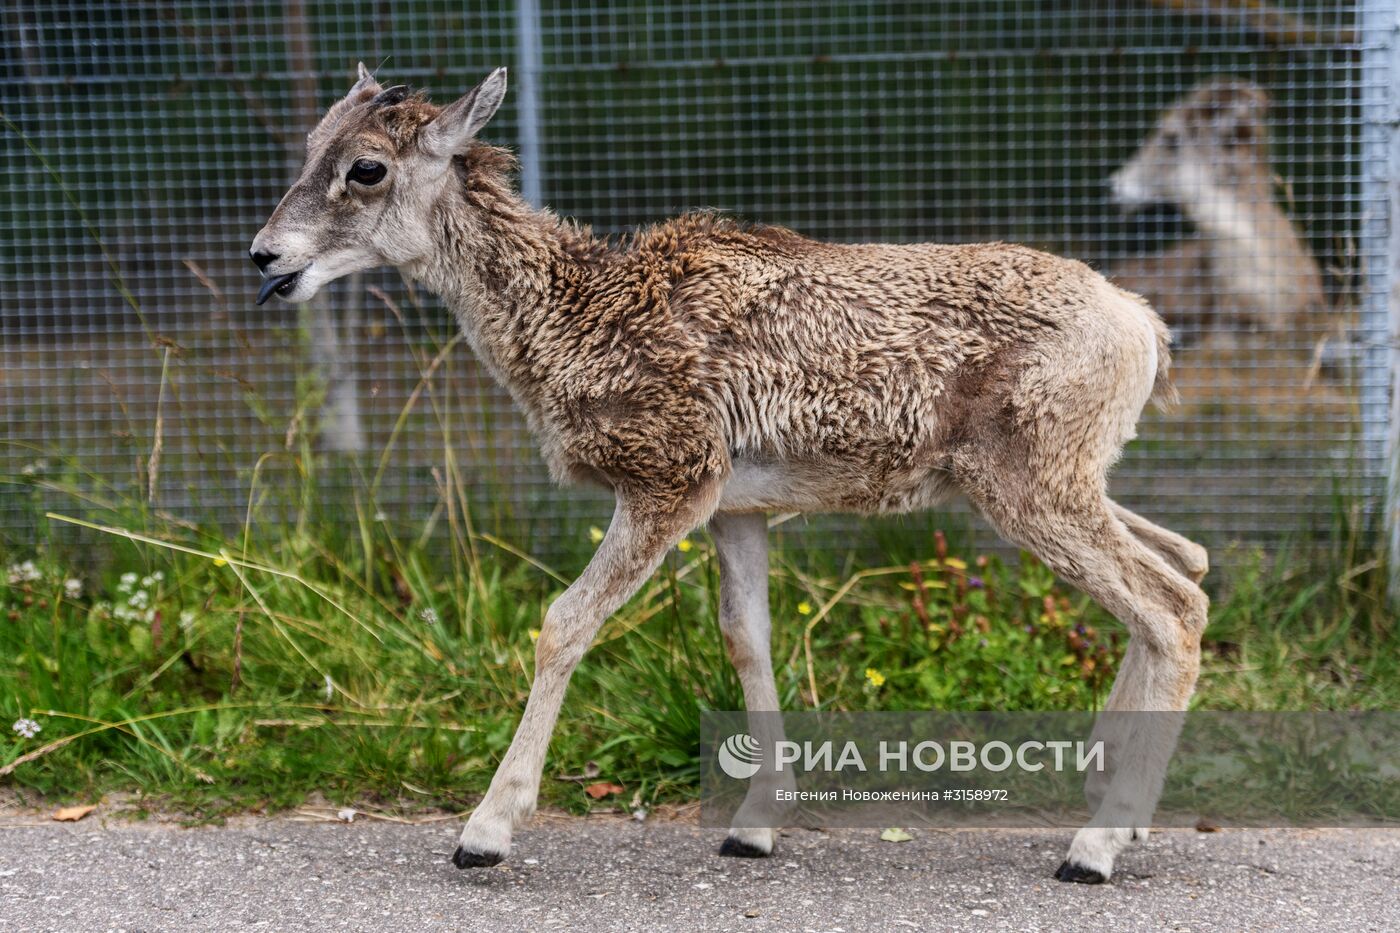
(831, 486)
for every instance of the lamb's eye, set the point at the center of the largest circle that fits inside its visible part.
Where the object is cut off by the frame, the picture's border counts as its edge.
(367, 172)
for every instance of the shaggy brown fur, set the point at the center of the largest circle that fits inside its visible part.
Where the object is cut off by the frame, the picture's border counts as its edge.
(706, 369)
(657, 361)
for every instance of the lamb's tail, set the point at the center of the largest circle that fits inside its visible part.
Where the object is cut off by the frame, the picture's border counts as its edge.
(1164, 394)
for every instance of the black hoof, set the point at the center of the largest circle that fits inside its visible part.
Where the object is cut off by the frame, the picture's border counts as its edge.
(466, 858)
(733, 848)
(1068, 871)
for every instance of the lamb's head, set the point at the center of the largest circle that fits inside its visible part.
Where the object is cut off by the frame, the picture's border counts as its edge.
(1212, 139)
(376, 165)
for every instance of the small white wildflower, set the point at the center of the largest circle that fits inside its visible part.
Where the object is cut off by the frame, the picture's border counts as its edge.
(72, 588)
(380, 517)
(27, 728)
(128, 582)
(38, 466)
(428, 614)
(346, 814)
(330, 687)
(158, 576)
(25, 572)
(140, 599)
(186, 619)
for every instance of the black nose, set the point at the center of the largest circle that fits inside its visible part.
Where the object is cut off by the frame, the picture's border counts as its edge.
(263, 260)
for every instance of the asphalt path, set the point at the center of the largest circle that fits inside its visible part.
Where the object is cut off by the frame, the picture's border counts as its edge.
(618, 874)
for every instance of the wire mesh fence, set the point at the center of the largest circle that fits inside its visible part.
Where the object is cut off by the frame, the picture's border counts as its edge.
(1228, 160)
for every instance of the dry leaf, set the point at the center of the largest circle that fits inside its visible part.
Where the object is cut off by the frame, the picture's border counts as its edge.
(73, 814)
(602, 789)
(895, 835)
(1204, 825)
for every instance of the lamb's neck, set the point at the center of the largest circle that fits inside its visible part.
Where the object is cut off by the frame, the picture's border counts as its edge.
(498, 264)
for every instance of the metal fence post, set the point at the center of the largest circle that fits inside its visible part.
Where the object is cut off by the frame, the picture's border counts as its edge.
(527, 29)
(1391, 297)
(1380, 311)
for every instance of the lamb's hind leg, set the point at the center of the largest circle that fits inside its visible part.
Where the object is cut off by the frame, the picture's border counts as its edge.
(741, 542)
(1185, 555)
(1082, 540)
(637, 540)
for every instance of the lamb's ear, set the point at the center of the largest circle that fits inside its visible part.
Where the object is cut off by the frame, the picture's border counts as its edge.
(364, 88)
(460, 120)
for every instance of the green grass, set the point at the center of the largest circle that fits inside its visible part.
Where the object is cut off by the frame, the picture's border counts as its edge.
(211, 674)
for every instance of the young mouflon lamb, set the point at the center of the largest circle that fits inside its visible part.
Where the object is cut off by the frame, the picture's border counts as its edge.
(708, 371)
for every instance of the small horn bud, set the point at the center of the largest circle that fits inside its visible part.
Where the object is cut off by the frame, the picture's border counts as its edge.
(390, 96)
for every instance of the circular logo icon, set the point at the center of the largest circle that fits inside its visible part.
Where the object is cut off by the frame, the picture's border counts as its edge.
(740, 756)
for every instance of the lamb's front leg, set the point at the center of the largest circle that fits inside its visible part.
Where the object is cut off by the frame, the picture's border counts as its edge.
(637, 540)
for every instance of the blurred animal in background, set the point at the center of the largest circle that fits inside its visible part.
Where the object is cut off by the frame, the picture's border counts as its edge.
(1246, 269)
